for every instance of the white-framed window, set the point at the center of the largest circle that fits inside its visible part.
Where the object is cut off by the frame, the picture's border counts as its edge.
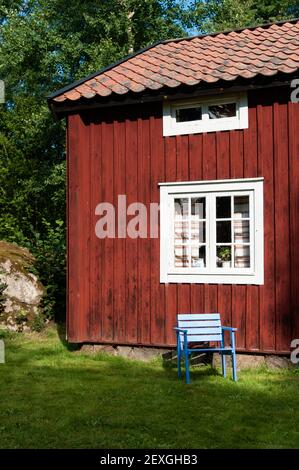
(198, 115)
(212, 232)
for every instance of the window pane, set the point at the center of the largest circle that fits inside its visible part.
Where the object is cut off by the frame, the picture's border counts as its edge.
(198, 256)
(223, 207)
(219, 111)
(241, 231)
(198, 207)
(242, 256)
(198, 231)
(224, 256)
(224, 232)
(241, 209)
(181, 208)
(181, 256)
(181, 232)
(188, 114)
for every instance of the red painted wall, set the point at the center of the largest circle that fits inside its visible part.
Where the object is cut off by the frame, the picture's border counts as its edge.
(114, 293)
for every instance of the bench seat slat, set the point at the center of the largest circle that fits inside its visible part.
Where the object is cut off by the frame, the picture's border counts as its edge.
(198, 323)
(198, 316)
(199, 338)
(204, 331)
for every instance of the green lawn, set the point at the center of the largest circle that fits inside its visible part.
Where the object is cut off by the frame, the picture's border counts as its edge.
(52, 397)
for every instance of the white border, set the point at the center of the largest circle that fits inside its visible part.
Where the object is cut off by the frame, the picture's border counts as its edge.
(172, 127)
(167, 190)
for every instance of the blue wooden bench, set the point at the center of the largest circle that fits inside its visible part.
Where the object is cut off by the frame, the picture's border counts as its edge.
(193, 329)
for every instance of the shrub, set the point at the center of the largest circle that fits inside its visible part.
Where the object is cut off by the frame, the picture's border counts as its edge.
(38, 322)
(2, 296)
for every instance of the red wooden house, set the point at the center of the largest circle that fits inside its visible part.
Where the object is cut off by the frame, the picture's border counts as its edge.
(209, 128)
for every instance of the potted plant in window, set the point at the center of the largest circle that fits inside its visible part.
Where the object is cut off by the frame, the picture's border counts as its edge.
(225, 256)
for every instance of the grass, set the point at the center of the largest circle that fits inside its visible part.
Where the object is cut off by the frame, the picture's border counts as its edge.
(52, 397)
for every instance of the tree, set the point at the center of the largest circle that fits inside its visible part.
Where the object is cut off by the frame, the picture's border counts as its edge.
(220, 15)
(44, 45)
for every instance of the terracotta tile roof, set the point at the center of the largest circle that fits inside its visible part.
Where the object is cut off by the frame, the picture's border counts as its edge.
(263, 50)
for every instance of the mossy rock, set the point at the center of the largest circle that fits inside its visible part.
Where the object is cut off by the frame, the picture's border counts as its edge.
(23, 292)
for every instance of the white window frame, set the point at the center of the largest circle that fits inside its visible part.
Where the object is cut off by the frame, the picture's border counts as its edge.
(209, 275)
(172, 127)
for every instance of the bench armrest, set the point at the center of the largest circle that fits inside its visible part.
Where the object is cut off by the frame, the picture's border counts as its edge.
(180, 330)
(229, 328)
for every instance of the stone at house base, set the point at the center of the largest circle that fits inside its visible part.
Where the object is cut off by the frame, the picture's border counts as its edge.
(169, 356)
(252, 361)
(129, 352)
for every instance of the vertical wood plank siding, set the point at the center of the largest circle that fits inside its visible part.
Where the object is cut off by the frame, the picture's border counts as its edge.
(114, 293)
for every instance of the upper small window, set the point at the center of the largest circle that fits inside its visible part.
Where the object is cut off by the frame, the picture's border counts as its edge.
(205, 115)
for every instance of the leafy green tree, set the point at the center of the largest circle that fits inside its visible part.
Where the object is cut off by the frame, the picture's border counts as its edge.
(219, 15)
(44, 45)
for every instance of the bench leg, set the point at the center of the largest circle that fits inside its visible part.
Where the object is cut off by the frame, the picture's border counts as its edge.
(187, 367)
(186, 360)
(234, 362)
(234, 366)
(179, 361)
(223, 363)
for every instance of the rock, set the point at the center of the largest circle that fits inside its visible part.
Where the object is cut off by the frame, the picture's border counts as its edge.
(277, 362)
(23, 292)
(95, 348)
(244, 361)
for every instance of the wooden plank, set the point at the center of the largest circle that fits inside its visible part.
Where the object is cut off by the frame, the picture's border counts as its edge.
(193, 330)
(73, 231)
(119, 244)
(107, 244)
(208, 337)
(266, 169)
(144, 244)
(236, 153)
(157, 175)
(199, 316)
(95, 281)
(171, 306)
(282, 230)
(182, 143)
(293, 113)
(239, 315)
(250, 170)
(223, 155)
(200, 323)
(84, 218)
(195, 157)
(131, 243)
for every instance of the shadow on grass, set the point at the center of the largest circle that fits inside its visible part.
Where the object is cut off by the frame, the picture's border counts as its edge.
(61, 331)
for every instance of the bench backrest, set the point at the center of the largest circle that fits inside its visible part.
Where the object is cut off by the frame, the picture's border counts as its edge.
(200, 326)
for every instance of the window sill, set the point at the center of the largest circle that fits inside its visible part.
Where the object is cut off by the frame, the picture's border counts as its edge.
(205, 278)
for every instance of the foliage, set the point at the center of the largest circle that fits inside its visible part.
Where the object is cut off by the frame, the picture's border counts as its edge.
(38, 323)
(21, 318)
(3, 286)
(219, 15)
(54, 398)
(45, 44)
(225, 253)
